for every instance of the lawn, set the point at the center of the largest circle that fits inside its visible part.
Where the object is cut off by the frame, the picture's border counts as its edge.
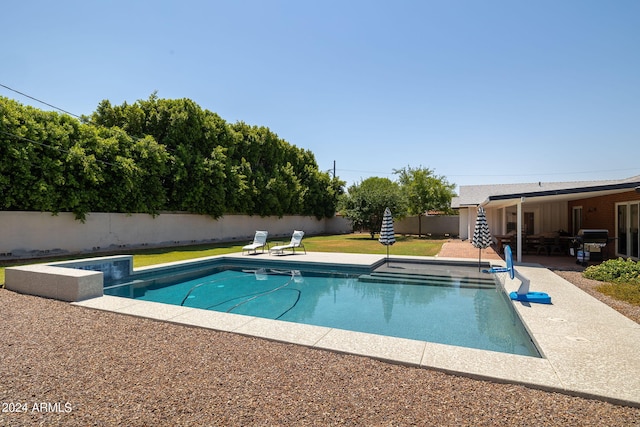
(361, 243)
(349, 243)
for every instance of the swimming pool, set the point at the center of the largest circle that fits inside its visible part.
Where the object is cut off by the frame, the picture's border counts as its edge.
(444, 304)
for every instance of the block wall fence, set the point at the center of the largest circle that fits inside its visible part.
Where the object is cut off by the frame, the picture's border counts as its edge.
(41, 234)
(32, 234)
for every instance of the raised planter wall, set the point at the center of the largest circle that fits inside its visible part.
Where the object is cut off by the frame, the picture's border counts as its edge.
(64, 284)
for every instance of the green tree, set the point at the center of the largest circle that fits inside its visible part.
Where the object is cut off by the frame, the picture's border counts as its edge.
(321, 193)
(33, 149)
(195, 180)
(132, 172)
(424, 191)
(154, 155)
(364, 203)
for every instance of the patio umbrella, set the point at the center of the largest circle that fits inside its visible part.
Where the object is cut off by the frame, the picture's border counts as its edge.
(481, 234)
(387, 236)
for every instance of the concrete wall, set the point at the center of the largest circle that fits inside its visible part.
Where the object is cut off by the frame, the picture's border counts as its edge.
(437, 225)
(30, 234)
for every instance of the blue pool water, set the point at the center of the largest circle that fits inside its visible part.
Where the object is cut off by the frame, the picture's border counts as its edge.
(440, 308)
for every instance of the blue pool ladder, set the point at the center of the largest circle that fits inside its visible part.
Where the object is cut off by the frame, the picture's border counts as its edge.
(522, 294)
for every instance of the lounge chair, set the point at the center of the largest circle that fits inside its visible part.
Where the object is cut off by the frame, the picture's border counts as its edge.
(259, 241)
(296, 242)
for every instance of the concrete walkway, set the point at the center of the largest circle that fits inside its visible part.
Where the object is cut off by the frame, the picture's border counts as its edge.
(456, 248)
(589, 349)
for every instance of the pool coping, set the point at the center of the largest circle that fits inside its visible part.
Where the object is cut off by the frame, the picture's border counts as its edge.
(588, 348)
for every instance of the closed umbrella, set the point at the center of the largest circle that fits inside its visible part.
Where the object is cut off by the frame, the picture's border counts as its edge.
(387, 236)
(481, 234)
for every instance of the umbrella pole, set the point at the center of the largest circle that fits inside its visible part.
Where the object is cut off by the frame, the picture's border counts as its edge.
(387, 255)
(479, 257)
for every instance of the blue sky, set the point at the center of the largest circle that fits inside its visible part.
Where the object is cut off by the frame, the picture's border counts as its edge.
(482, 92)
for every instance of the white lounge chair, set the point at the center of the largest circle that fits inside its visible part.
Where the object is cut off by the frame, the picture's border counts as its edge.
(259, 241)
(296, 242)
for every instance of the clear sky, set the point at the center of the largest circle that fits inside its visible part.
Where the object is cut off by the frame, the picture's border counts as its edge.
(480, 91)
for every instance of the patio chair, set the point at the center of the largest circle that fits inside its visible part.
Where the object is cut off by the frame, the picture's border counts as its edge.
(543, 246)
(530, 243)
(259, 242)
(550, 245)
(296, 242)
(555, 245)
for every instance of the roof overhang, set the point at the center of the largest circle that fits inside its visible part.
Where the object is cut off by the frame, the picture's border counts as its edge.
(563, 195)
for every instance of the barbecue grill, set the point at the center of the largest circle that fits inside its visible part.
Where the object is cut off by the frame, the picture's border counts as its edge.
(590, 244)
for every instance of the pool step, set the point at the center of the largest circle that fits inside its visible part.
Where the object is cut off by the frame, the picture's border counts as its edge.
(428, 279)
(476, 278)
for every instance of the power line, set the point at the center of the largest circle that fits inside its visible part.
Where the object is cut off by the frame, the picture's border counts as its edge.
(66, 112)
(502, 175)
(359, 171)
(62, 150)
(40, 101)
(51, 146)
(342, 170)
(547, 174)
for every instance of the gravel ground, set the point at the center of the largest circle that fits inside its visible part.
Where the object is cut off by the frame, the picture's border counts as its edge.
(93, 368)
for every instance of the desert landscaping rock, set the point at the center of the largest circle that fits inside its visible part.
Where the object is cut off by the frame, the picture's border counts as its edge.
(99, 368)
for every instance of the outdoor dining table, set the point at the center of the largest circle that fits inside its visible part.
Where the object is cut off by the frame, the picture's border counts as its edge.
(529, 241)
(533, 242)
(503, 239)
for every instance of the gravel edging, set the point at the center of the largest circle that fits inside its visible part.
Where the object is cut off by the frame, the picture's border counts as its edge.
(114, 369)
(589, 286)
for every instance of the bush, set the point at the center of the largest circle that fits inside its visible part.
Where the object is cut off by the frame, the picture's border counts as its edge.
(615, 271)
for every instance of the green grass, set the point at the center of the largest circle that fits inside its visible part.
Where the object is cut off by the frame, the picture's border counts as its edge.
(363, 243)
(163, 255)
(349, 243)
(621, 291)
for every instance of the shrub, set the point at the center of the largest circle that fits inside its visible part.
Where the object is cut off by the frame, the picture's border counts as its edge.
(615, 271)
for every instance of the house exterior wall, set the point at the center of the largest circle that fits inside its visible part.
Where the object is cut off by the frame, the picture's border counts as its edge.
(463, 225)
(549, 217)
(600, 212)
(494, 220)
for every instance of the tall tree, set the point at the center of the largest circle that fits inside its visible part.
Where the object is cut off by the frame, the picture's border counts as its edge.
(154, 155)
(364, 203)
(425, 191)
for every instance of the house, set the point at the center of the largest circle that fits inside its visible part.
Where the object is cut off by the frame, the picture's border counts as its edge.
(545, 208)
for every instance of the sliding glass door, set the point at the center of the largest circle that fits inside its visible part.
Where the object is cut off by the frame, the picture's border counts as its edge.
(634, 220)
(576, 224)
(628, 223)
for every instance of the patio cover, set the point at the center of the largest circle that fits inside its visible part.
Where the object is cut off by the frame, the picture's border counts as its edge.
(503, 195)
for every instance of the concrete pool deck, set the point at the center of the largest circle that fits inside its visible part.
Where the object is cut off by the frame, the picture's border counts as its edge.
(589, 349)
